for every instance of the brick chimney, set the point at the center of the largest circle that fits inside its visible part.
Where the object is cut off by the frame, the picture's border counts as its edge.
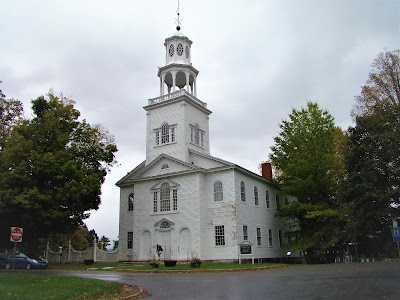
(266, 170)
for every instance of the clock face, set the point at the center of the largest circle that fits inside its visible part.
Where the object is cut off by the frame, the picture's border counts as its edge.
(179, 49)
(187, 51)
(171, 50)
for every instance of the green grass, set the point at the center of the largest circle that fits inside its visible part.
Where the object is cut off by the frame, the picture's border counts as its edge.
(46, 286)
(146, 266)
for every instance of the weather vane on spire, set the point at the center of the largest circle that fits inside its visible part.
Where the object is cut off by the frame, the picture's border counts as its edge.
(178, 19)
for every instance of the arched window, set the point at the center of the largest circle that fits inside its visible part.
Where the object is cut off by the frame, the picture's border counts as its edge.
(218, 191)
(255, 195)
(164, 166)
(196, 135)
(131, 197)
(242, 191)
(165, 197)
(165, 134)
(267, 199)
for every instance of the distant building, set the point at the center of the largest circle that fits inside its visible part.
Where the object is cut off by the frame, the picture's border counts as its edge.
(181, 197)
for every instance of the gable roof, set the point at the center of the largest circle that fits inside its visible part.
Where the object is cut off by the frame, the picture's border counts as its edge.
(137, 173)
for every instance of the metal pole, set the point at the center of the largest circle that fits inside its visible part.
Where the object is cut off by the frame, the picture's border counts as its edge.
(15, 252)
(398, 248)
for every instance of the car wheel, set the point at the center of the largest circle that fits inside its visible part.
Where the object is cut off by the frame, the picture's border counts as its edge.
(8, 266)
(28, 266)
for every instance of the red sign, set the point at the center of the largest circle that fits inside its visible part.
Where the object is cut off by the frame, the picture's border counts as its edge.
(16, 234)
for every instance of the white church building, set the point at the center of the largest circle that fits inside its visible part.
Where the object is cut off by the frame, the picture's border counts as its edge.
(181, 197)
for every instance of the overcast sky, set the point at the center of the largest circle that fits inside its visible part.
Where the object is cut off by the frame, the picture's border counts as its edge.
(257, 59)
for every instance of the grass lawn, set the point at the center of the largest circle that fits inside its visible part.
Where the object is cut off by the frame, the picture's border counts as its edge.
(146, 266)
(33, 285)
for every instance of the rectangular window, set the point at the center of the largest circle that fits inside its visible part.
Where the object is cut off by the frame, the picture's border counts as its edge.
(277, 202)
(258, 236)
(280, 238)
(130, 240)
(201, 139)
(157, 137)
(267, 199)
(172, 134)
(270, 238)
(175, 199)
(155, 201)
(220, 235)
(245, 233)
(191, 134)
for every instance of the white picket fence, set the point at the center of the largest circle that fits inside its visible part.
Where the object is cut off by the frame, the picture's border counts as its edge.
(70, 255)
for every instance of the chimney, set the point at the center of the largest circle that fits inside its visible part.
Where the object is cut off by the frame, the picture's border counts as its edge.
(266, 170)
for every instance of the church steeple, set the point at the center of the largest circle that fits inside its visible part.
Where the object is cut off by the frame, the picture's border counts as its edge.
(178, 72)
(177, 121)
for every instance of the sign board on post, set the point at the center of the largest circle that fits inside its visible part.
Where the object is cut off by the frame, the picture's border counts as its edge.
(16, 234)
(396, 231)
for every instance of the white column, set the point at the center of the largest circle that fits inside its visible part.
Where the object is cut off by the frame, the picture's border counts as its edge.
(162, 85)
(195, 87)
(173, 81)
(187, 82)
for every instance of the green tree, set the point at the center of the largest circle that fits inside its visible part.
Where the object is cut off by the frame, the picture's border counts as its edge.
(10, 113)
(51, 170)
(372, 186)
(115, 244)
(308, 155)
(103, 243)
(383, 84)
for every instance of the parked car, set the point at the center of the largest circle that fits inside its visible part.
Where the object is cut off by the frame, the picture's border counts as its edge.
(24, 261)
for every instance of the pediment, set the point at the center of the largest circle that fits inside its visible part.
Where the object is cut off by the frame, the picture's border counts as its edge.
(164, 223)
(172, 184)
(165, 164)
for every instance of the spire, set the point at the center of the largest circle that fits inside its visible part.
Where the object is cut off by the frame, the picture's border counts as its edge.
(178, 20)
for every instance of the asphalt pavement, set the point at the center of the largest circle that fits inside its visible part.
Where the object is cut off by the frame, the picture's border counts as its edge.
(375, 280)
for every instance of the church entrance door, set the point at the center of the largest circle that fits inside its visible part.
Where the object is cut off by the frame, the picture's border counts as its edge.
(146, 245)
(165, 242)
(185, 244)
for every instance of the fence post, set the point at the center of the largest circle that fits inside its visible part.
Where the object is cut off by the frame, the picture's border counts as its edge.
(94, 249)
(60, 253)
(69, 251)
(47, 251)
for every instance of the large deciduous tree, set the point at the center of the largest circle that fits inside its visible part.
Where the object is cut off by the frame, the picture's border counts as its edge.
(51, 170)
(10, 113)
(383, 84)
(308, 154)
(372, 186)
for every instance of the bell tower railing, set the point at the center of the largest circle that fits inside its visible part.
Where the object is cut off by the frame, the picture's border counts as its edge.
(176, 94)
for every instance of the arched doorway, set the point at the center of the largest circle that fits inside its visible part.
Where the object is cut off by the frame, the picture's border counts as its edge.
(146, 245)
(185, 244)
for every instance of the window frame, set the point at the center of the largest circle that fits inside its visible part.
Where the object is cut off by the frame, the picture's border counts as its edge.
(165, 198)
(270, 238)
(131, 198)
(267, 201)
(242, 191)
(219, 235)
(245, 233)
(166, 134)
(277, 200)
(255, 190)
(129, 240)
(218, 191)
(258, 232)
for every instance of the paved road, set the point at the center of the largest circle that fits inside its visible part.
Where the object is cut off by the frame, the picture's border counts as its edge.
(379, 280)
